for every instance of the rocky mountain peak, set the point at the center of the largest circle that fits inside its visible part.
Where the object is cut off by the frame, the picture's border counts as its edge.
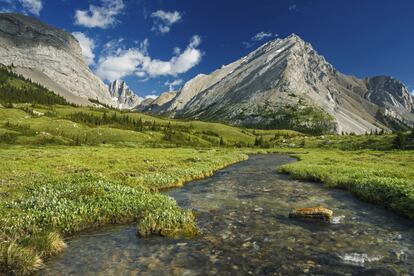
(123, 95)
(288, 75)
(50, 57)
(19, 28)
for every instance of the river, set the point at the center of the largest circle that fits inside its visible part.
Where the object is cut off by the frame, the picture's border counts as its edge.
(243, 213)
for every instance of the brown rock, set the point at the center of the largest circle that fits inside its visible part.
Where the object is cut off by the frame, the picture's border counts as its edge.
(318, 213)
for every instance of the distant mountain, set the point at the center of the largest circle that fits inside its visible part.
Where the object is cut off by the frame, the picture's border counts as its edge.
(285, 83)
(50, 57)
(123, 95)
(154, 105)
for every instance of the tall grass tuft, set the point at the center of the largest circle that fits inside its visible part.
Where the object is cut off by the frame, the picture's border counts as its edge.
(46, 244)
(18, 260)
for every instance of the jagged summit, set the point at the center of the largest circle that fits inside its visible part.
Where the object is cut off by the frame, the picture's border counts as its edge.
(123, 95)
(288, 75)
(284, 83)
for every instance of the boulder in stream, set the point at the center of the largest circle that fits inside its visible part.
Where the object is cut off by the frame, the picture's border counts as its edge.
(317, 213)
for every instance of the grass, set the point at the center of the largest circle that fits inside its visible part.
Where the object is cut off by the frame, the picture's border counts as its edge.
(381, 177)
(54, 191)
(65, 169)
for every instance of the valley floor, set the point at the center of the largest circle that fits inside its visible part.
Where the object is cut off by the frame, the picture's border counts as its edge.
(49, 192)
(54, 191)
(64, 169)
(382, 177)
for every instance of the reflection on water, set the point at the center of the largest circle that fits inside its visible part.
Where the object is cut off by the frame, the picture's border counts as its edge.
(242, 211)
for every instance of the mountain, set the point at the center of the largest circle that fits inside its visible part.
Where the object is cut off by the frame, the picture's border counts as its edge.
(50, 57)
(154, 105)
(123, 95)
(285, 83)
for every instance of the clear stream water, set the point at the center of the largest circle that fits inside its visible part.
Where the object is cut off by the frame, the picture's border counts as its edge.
(243, 213)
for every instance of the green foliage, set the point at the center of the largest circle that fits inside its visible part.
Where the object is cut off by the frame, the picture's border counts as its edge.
(115, 119)
(18, 260)
(298, 117)
(385, 178)
(222, 141)
(16, 89)
(52, 191)
(399, 141)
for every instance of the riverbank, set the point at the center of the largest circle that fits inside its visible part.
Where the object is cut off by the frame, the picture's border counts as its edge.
(385, 178)
(47, 193)
(50, 192)
(243, 213)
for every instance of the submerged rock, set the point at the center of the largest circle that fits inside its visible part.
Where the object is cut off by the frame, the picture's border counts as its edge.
(318, 213)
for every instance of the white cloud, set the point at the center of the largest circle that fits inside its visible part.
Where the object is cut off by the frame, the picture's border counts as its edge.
(100, 17)
(258, 37)
(163, 20)
(23, 6)
(32, 6)
(87, 45)
(261, 36)
(136, 61)
(293, 7)
(117, 66)
(151, 97)
(173, 84)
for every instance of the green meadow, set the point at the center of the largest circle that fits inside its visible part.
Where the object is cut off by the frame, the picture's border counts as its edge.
(381, 177)
(64, 169)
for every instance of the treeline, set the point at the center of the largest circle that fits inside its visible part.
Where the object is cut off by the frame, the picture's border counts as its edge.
(299, 117)
(404, 140)
(15, 88)
(123, 121)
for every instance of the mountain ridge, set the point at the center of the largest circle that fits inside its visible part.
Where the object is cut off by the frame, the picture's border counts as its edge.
(123, 95)
(283, 83)
(283, 72)
(49, 56)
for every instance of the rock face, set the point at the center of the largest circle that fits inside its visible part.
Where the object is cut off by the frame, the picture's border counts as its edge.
(288, 76)
(123, 95)
(154, 105)
(393, 97)
(50, 57)
(318, 213)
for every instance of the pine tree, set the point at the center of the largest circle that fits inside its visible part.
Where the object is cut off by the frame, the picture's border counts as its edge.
(221, 141)
(399, 141)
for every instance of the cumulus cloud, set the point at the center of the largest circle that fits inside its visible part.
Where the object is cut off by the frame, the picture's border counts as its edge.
(171, 85)
(103, 16)
(136, 61)
(32, 6)
(258, 37)
(261, 36)
(123, 64)
(23, 6)
(87, 45)
(293, 7)
(163, 20)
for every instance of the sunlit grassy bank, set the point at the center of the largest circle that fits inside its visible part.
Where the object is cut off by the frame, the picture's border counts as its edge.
(49, 192)
(381, 177)
(65, 168)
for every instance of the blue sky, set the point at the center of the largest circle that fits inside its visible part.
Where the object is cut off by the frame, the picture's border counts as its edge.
(157, 45)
